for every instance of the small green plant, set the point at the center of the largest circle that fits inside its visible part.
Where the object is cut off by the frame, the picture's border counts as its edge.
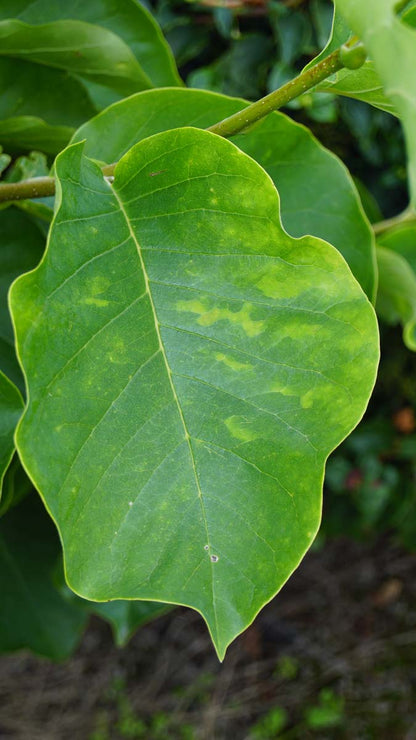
(270, 726)
(328, 712)
(189, 330)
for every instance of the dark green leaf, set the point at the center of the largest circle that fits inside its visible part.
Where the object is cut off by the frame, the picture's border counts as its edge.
(32, 612)
(22, 246)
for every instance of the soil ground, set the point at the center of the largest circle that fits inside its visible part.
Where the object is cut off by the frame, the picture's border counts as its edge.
(335, 652)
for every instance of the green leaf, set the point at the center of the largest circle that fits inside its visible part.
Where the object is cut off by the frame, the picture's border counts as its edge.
(16, 485)
(363, 83)
(21, 247)
(396, 298)
(126, 18)
(56, 87)
(32, 612)
(28, 133)
(34, 90)
(189, 367)
(126, 617)
(11, 407)
(402, 240)
(391, 44)
(98, 54)
(317, 193)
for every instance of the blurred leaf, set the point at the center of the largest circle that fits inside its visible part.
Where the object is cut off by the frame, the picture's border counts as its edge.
(32, 612)
(392, 45)
(11, 407)
(401, 239)
(362, 84)
(396, 298)
(21, 247)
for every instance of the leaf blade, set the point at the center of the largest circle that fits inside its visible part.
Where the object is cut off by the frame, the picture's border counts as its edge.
(214, 275)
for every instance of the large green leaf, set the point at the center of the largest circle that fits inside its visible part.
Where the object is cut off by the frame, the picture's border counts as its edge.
(126, 18)
(49, 86)
(317, 193)
(189, 367)
(363, 83)
(79, 48)
(392, 45)
(29, 132)
(32, 612)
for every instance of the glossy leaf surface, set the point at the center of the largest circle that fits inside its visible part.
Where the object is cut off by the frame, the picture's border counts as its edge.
(50, 85)
(126, 18)
(32, 612)
(190, 366)
(392, 45)
(100, 55)
(317, 193)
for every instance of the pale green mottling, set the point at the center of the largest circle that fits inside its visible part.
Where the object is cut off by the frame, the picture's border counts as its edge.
(285, 390)
(306, 401)
(231, 363)
(99, 302)
(208, 317)
(276, 285)
(239, 428)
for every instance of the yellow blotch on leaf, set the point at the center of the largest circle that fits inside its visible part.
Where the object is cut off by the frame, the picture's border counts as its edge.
(209, 316)
(231, 363)
(239, 428)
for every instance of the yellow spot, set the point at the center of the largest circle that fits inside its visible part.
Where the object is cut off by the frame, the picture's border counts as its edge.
(277, 285)
(99, 302)
(239, 428)
(306, 401)
(283, 389)
(207, 317)
(231, 363)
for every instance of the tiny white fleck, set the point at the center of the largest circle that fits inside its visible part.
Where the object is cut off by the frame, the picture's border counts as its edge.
(115, 532)
(130, 503)
(206, 547)
(214, 558)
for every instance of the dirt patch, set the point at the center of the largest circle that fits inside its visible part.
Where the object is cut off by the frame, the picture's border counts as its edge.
(333, 656)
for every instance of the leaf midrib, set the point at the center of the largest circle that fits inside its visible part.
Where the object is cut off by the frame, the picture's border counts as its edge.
(175, 395)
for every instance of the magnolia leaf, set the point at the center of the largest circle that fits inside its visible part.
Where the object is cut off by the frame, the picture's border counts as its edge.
(32, 612)
(396, 298)
(100, 55)
(125, 617)
(317, 193)
(54, 86)
(391, 44)
(126, 18)
(363, 83)
(29, 133)
(189, 367)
